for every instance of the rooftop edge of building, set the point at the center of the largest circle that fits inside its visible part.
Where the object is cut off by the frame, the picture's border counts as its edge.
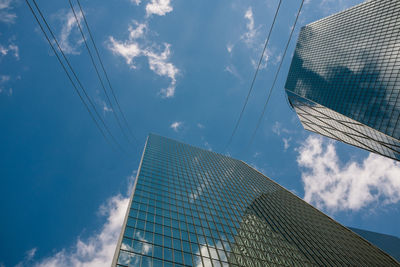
(339, 12)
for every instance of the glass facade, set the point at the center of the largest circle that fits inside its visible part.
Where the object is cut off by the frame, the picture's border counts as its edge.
(388, 243)
(192, 207)
(346, 69)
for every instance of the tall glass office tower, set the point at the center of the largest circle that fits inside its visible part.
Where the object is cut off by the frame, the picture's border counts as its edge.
(192, 207)
(344, 80)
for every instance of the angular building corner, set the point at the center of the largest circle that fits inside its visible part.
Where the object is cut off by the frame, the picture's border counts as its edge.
(344, 79)
(193, 207)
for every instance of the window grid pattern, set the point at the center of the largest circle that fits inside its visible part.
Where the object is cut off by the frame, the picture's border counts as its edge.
(321, 120)
(350, 63)
(193, 207)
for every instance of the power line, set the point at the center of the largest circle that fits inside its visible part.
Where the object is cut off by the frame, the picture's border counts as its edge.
(97, 71)
(276, 75)
(255, 76)
(73, 72)
(69, 77)
(105, 72)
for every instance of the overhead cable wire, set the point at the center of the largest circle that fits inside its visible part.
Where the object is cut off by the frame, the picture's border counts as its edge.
(74, 74)
(105, 73)
(69, 77)
(276, 76)
(254, 77)
(97, 72)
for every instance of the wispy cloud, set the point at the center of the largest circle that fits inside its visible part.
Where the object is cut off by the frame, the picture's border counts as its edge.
(334, 186)
(253, 40)
(232, 70)
(278, 129)
(5, 50)
(29, 255)
(159, 64)
(99, 249)
(176, 126)
(106, 108)
(6, 14)
(265, 60)
(128, 50)
(4, 79)
(256, 155)
(286, 143)
(206, 144)
(158, 59)
(250, 35)
(136, 2)
(201, 126)
(70, 38)
(158, 7)
(229, 47)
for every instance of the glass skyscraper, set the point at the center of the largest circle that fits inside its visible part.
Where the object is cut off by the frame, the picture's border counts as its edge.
(344, 80)
(192, 207)
(388, 243)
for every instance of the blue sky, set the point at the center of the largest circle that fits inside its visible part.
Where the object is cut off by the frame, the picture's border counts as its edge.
(180, 69)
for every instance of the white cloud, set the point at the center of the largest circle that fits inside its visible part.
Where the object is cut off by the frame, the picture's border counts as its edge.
(277, 59)
(250, 35)
(176, 126)
(4, 50)
(3, 80)
(286, 143)
(201, 126)
(103, 105)
(70, 38)
(106, 108)
(4, 4)
(6, 15)
(232, 70)
(160, 65)
(131, 182)
(158, 7)
(229, 47)
(14, 49)
(29, 255)
(8, 92)
(138, 32)
(264, 62)
(136, 2)
(253, 41)
(125, 49)
(334, 186)
(206, 144)
(99, 249)
(278, 129)
(158, 59)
